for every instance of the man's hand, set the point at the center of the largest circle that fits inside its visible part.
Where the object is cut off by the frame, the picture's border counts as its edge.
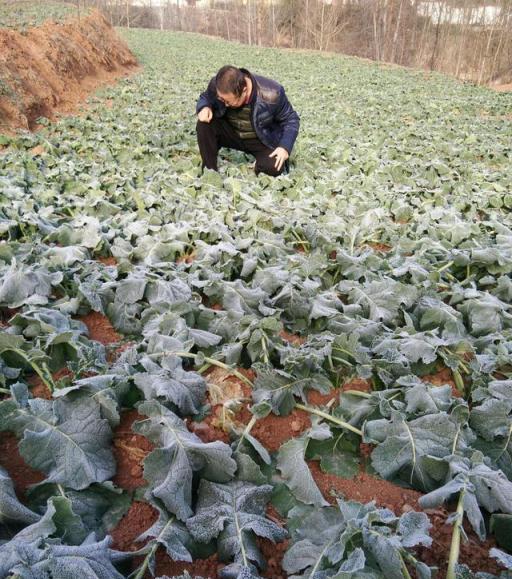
(280, 154)
(205, 115)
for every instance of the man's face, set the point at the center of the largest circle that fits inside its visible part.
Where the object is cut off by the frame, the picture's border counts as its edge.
(231, 100)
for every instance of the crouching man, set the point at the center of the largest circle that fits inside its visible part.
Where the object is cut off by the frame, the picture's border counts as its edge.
(247, 112)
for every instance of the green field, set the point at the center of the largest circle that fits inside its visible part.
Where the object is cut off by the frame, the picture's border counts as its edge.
(26, 14)
(387, 249)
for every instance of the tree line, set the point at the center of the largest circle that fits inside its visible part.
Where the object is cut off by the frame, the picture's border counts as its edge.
(470, 39)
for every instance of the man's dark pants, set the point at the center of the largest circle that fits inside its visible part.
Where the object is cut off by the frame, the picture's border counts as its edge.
(219, 133)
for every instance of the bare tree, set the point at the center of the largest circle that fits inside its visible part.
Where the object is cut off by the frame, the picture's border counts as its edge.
(454, 36)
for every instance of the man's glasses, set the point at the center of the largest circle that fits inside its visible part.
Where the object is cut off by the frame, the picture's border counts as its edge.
(235, 101)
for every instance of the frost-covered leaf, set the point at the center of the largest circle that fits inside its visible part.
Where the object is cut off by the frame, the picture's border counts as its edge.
(68, 440)
(108, 391)
(412, 447)
(168, 382)
(11, 509)
(100, 506)
(292, 464)
(481, 487)
(27, 286)
(354, 540)
(169, 468)
(170, 534)
(379, 300)
(234, 513)
(92, 560)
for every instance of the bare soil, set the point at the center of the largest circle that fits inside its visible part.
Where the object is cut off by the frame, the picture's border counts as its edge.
(21, 473)
(100, 329)
(54, 67)
(442, 377)
(108, 260)
(67, 62)
(130, 450)
(502, 87)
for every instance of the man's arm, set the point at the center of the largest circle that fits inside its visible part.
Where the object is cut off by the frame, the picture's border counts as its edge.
(208, 98)
(289, 119)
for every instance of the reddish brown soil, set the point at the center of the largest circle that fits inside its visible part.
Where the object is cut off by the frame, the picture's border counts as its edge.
(293, 339)
(206, 431)
(365, 451)
(273, 431)
(383, 247)
(6, 314)
(317, 399)
(108, 260)
(40, 390)
(357, 384)
(100, 328)
(364, 488)
(55, 66)
(187, 258)
(502, 87)
(208, 568)
(21, 473)
(139, 518)
(474, 554)
(273, 554)
(130, 450)
(441, 378)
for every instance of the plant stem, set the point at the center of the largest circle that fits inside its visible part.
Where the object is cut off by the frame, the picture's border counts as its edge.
(337, 421)
(405, 571)
(265, 350)
(507, 442)
(445, 266)
(246, 431)
(147, 559)
(211, 361)
(341, 361)
(4, 391)
(47, 380)
(463, 367)
(343, 351)
(456, 441)
(459, 382)
(357, 393)
(145, 564)
(455, 546)
(203, 368)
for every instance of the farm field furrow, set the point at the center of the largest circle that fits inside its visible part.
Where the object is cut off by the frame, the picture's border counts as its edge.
(195, 367)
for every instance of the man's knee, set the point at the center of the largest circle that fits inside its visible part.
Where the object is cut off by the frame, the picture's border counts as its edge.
(268, 167)
(203, 128)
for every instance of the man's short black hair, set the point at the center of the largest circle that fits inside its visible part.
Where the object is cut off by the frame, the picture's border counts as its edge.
(230, 80)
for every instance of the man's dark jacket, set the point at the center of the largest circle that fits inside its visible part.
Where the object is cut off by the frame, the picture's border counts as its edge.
(275, 122)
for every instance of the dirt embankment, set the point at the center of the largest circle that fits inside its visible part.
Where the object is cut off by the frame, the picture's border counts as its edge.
(55, 66)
